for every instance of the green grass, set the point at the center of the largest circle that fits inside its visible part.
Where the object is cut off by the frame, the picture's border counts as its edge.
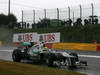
(11, 68)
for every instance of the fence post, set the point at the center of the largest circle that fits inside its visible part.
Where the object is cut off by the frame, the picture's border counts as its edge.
(45, 14)
(58, 16)
(68, 12)
(80, 11)
(33, 16)
(92, 9)
(22, 18)
(73, 17)
(92, 12)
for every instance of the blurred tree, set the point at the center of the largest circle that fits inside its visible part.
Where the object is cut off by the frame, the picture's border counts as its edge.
(8, 21)
(3, 19)
(12, 20)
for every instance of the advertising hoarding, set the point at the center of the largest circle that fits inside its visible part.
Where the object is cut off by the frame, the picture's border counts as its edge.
(34, 37)
(49, 37)
(25, 37)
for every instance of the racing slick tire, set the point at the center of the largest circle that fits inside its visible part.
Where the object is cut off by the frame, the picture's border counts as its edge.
(83, 62)
(73, 61)
(76, 55)
(16, 55)
(49, 62)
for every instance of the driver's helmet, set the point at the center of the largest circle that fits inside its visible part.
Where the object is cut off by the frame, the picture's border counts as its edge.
(25, 43)
(45, 49)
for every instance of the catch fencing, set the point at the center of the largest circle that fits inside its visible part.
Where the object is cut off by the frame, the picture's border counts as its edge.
(63, 14)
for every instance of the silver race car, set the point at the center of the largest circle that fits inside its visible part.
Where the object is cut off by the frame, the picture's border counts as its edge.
(48, 56)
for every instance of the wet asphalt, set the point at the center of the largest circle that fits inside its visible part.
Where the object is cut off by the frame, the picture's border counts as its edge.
(93, 67)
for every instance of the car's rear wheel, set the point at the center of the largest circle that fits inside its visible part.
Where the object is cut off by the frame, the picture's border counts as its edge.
(49, 62)
(16, 55)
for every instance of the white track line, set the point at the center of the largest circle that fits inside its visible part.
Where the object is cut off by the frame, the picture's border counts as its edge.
(6, 50)
(90, 56)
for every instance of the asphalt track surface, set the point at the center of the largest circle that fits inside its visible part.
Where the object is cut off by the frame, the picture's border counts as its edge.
(92, 57)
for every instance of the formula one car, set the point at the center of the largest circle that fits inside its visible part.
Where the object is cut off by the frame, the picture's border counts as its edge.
(48, 56)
